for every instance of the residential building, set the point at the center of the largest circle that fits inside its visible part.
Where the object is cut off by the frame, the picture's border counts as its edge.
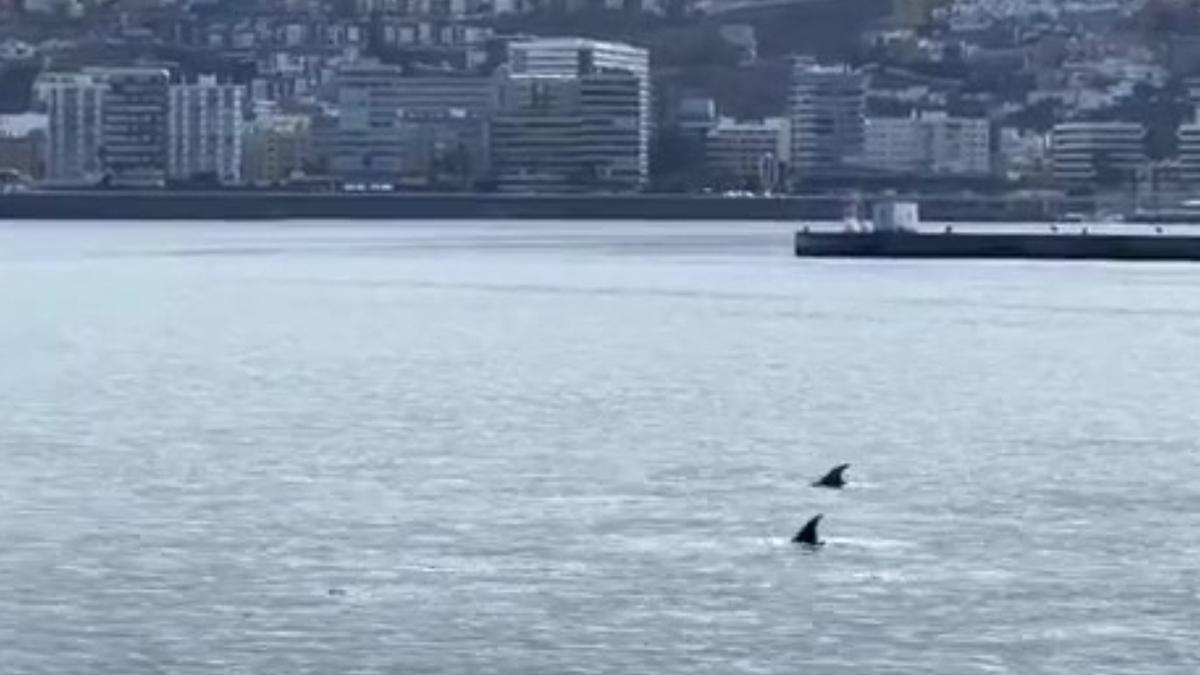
(827, 105)
(748, 153)
(205, 130)
(1189, 152)
(614, 95)
(928, 143)
(895, 144)
(134, 142)
(1097, 152)
(959, 145)
(276, 149)
(74, 103)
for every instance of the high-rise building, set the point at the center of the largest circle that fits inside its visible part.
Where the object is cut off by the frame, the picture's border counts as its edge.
(75, 106)
(535, 135)
(205, 130)
(445, 121)
(561, 133)
(393, 127)
(1189, 152)
(365, 143)
(828, 106)
(1097, 152)
(614, 99)
(134, 146)
(612, 145)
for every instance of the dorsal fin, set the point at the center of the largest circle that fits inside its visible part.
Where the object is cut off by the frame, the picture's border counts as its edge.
(808, 533)
(835, 478)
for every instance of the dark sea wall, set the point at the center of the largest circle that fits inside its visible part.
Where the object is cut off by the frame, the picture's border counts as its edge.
(236, 205)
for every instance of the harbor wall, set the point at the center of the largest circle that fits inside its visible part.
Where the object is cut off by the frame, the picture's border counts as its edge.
(254, 205)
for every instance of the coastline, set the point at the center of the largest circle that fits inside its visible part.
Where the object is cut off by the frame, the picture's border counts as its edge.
(271, 205)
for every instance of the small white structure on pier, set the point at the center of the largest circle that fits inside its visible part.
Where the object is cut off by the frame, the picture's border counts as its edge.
(891, 215)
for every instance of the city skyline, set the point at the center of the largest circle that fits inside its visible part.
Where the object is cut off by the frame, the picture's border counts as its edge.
(427, 95)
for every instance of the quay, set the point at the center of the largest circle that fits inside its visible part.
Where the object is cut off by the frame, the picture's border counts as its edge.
(277, 205)
(895, 232)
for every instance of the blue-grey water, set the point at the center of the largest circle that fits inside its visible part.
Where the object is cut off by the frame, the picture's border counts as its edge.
(582, 448)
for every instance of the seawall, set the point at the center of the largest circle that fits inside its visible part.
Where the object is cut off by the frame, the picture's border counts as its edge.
(256, 205)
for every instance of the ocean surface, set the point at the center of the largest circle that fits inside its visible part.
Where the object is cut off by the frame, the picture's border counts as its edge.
(334, 448)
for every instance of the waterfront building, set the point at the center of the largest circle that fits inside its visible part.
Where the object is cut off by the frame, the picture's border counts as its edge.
(570, 133)
(23, 155)
(444, 123)
(365, 143)
(613, 141)
(1189, 153)
(276, 149)
(928, 143)
(441, 92)
(959, 146)
(1022, 153)
(748, 153)
(895, 144)
(23, 145)
(74, 103)
(133, 150)
(205, 130)
(448, 149)
(534, 135)
(613, 81)
(827, 105)
(1097, 152)
(397, 128)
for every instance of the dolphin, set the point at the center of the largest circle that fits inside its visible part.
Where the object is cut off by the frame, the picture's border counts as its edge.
(834, 479)
(808, 534)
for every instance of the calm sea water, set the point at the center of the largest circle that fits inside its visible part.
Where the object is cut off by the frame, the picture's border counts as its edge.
(552, 448)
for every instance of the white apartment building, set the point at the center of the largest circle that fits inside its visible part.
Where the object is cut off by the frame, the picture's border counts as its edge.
(930, 143)
(205, 131)
(75, 109)
(827, 106)
(1189, 151)
(134, 145)
(1085, 152)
